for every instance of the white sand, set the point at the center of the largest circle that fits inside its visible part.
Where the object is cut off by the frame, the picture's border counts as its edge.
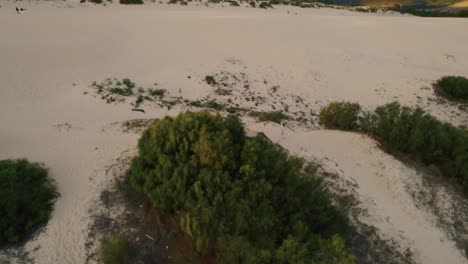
(322, 55)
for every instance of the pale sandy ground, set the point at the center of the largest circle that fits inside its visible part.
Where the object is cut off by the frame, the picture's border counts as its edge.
(321, 55)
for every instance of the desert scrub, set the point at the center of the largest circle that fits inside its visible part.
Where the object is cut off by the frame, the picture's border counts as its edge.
(157, 92)
(274, 116)
(131, 2)
(115, 250)
(27, 196)
(340, 115)
(265, 5)
(453, 87)
(243, 198)
(210, 80)
(411, 131)
(214, 105)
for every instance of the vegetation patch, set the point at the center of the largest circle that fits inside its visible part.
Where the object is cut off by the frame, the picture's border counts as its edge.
(453, 87)
(340, 115)
(115, 250)
(131, 2)
(209, 79)
(412, 131)
(238, 199)
(27, 196)
(265, 5)
(276, 117)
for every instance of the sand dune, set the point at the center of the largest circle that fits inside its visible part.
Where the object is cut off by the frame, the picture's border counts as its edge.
(50, 54)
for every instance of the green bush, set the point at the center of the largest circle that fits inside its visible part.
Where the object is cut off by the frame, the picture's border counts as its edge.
(415, 132)
(265, 5)
(252, 4)
(115, 250)
(276, 117)
(131, 2)
(27, 196)
(244, 198)
(453, 87)
(412, 131)
(340, 115)
(210, 80)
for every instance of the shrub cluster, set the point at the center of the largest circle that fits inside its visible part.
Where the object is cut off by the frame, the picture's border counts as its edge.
(115, 250)
(340, 115)
(412, 131)
(27, 196)
(453, 87)
(276, 117)
(243, 198)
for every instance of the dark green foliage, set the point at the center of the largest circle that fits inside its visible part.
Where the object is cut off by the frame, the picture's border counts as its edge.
(210, 80)
(27, 196)
(214, 105)
(453, 87)
(414, 132)
(96, 1)
(340, 115)
(234, 3)
(244, 198)
(265, 5)
(157, 92)
(196, 103)
(276, 117)
(131, 2)
(252, 4)
(115, 250)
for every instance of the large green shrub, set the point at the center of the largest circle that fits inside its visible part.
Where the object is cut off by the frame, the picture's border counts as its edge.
(243, 197)
(453, 87)
(115, 250)
(27, 196)
(340, 115)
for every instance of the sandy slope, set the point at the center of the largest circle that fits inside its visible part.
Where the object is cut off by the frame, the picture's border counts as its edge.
(321, 55)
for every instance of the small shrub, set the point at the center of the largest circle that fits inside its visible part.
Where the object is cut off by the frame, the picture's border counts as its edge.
(96, 1)
(196, 103)
(210, 80)
(361, 9)
(340, 115)
(276, 117)
(157, 92)
(115, 250)
(131, 2)
(453, 87)
(252, 4)
(265, 5)
(214, 105)
(127, 82)
(27, 195)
